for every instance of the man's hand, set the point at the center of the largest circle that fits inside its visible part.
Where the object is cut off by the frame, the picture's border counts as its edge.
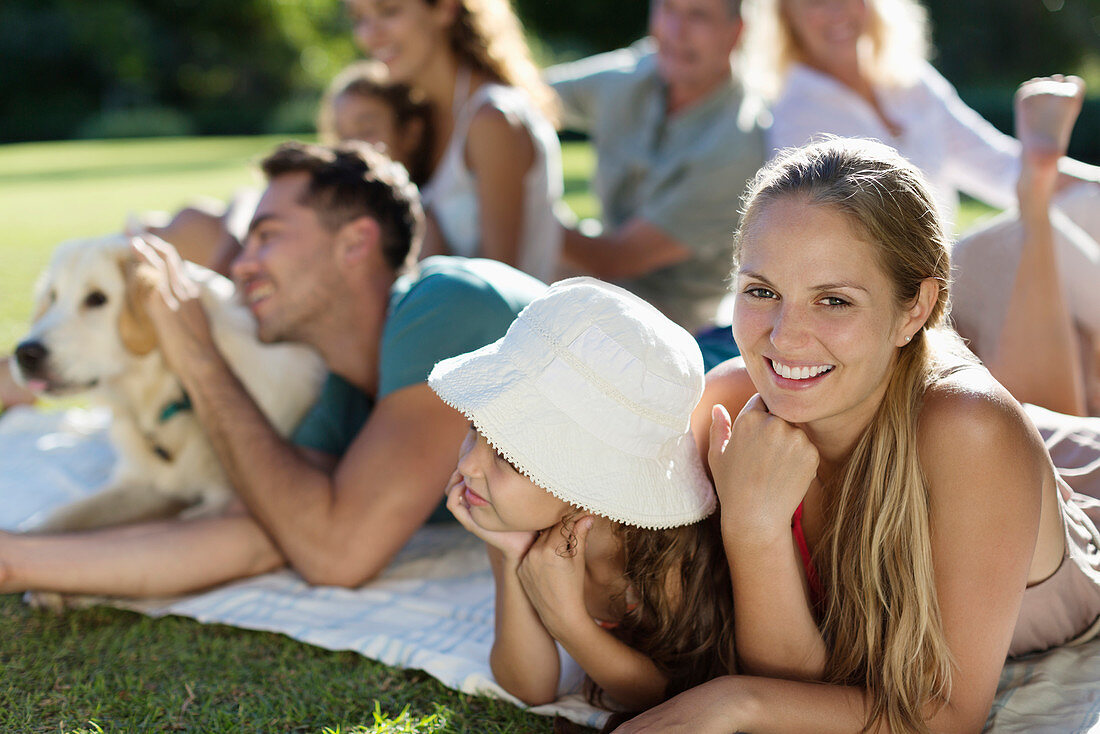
(175, 308)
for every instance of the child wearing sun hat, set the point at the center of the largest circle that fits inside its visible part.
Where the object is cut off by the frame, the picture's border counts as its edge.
(581, 474)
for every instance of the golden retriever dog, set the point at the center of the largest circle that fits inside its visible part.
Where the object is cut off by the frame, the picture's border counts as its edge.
(91, 334)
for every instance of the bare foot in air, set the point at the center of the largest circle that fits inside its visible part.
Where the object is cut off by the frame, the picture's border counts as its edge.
(1046, 109)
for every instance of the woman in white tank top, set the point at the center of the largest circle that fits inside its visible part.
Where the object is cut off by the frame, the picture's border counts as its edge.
(496, 159)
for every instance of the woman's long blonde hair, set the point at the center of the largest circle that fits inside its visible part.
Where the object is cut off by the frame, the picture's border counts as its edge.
(896, 41)
(881, 618)
(488, 37)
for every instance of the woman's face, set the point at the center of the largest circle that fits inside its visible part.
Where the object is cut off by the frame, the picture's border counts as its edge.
(499, 496)
(405, 35)
(815, 315)
(826, 31)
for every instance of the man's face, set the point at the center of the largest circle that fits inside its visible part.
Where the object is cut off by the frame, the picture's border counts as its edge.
(694, 41)
(287, 273)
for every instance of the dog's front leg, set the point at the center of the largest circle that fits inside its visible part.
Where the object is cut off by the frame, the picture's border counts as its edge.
(115, 504)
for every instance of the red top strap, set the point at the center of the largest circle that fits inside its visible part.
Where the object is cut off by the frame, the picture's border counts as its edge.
(817, 591)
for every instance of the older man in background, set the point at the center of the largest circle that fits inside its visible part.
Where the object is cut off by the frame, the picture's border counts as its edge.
(675, 144)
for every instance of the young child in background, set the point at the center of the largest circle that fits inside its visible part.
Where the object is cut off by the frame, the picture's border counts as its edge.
(362, 103)
(359, 104)
(581, 474)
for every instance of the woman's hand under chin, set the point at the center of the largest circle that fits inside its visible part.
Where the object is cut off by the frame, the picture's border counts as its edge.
(762, 468)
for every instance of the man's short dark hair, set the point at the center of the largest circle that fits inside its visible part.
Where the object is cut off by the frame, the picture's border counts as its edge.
(732, 6)
(351, 180)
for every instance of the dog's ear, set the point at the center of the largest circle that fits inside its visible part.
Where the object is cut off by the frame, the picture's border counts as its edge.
(41, 307)
(134, 325)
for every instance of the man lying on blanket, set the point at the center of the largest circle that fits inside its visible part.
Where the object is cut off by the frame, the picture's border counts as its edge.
(324, 264)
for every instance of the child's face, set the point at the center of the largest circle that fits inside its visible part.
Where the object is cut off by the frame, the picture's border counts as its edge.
(500, 497)
(365, 118)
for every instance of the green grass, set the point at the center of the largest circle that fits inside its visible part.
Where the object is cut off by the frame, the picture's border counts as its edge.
(114, 671)
(104, 670)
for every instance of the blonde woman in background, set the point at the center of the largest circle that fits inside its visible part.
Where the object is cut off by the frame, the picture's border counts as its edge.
(858, 68)
(893, 524)
(494, 155)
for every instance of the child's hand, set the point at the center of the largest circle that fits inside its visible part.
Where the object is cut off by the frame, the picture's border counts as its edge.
(552, 575)
(762, 467)
(513, 545)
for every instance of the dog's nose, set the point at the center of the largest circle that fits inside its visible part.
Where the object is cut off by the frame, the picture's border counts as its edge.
(31, 356)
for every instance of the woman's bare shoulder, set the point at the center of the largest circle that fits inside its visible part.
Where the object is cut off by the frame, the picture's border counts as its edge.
(969, 421)
(727, 384)
(968, 399)
(498, 139)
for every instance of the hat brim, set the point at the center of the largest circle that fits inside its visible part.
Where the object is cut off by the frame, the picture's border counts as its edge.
(585, 470)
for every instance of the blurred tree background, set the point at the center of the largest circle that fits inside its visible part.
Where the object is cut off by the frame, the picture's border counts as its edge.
(118, 68)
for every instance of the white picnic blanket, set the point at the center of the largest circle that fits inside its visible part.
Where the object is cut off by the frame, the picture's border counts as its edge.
(433, 608)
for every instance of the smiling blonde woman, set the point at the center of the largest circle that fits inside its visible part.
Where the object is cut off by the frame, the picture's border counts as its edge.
(931, 534)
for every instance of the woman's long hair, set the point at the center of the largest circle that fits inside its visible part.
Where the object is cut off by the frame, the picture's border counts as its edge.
(895, 42)
(881, 619)
(488, 37)
(682, 611)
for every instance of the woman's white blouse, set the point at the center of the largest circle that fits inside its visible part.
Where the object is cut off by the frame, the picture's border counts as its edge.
(953, 145)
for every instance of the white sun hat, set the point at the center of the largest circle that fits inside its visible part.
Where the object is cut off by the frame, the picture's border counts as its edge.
(590, 395)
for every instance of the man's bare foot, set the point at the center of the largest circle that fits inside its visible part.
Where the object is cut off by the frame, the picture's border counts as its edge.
(1046, 109)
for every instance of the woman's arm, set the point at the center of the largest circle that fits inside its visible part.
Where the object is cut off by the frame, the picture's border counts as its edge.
(762, 468)
(981, 160)
(986, 471)
(433, 242)
(499, 152)
(773, 622)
